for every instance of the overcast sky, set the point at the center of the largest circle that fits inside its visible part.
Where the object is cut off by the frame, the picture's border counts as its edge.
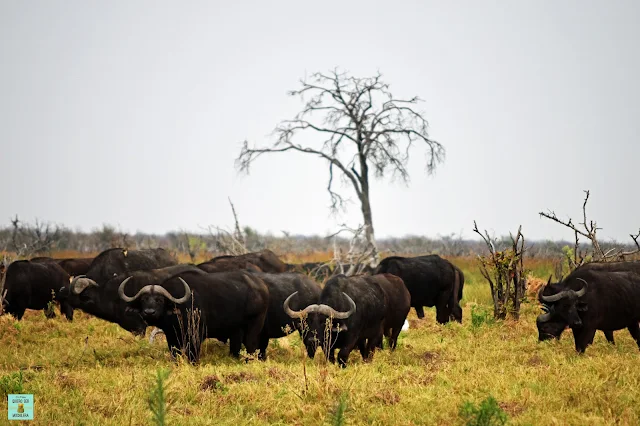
(132, 112)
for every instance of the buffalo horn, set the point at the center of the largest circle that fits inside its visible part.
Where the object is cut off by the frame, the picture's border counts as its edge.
(330, 312)
(124, 296)
(544, 317)
(565, 293)
(77, 286)
(583, 290)
(297, 314)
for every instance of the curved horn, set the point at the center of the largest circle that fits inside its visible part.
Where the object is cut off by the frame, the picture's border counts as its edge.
(329, 311)
(298, 314)
(583, 290)
(128, 299)
(77, 286)
(554, 297)
(288, 310)
(76, 278)
(544, 317)
(183, 299)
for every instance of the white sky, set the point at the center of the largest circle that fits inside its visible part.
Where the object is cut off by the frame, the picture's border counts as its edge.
(132, 112)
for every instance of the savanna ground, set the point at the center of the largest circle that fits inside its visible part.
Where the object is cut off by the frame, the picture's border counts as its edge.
(90, 372)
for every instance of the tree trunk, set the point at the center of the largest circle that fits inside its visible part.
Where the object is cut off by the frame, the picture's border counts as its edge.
(365, 203)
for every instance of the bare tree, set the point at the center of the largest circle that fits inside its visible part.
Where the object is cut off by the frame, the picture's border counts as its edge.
(505, 273)
(39, 238)
(598, 252)
(364, 130)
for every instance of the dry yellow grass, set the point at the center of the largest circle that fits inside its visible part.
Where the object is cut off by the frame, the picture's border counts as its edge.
(91, 372)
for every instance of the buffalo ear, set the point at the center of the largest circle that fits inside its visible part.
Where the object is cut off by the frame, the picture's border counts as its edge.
(549, 280)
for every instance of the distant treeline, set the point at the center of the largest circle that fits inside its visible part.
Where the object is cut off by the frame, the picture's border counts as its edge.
(29, 239)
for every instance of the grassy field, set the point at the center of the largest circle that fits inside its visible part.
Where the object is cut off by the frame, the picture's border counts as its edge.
(89, 372)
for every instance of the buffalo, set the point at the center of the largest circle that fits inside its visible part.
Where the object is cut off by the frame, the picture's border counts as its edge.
(265, 260)
(549, 327)
(280, 287)
(350, 311)
(33, 285)
(103, 301)
(96, 292)
(190, 307)
(589, 299)
(431, 281)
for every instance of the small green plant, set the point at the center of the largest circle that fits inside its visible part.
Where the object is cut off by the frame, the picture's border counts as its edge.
(50, 312)
(480, 316)
(488, 413)
(338, 418)
(158, 399)
(12, 383)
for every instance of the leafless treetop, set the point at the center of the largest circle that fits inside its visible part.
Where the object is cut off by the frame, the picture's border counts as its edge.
(360, 113)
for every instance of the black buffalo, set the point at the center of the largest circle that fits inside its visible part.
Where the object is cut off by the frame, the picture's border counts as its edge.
(431, 281)
(550, 327)
(350, 311)
(280, 287)
(190, 307)
(96, 292)
(103, 301)
(33, 285)
(589, 299)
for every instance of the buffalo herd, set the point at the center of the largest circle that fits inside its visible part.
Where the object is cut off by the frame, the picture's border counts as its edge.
(247, 300)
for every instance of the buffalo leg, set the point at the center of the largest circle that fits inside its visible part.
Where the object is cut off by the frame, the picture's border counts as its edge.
(583, 337)
(252, 334)
(343, 354)
(264, 343)
(443, 311)
(235, 343)
(634, 330)
(609, 335)
(393, 339)
(419, 311)
(67, 310)
(362, 346)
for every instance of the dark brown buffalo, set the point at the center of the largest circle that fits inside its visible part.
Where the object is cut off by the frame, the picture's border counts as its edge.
(190, 307)
(350, 312)
(33, 285)
(591, 299)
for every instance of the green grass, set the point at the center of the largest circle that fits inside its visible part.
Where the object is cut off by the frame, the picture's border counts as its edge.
(91, 372)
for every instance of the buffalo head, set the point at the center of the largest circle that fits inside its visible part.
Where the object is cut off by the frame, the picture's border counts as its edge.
(321, 326)
(151, 300)
(560, 310)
